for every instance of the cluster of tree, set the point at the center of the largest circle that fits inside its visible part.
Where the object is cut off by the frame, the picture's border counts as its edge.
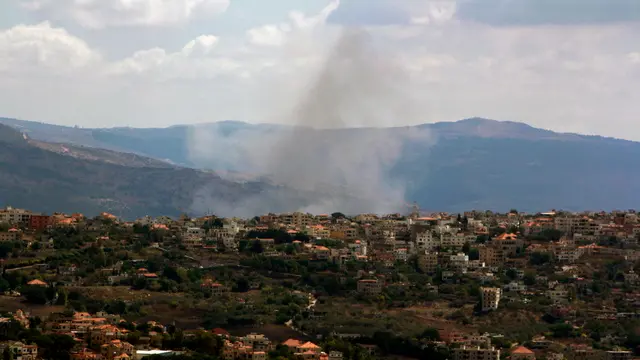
(547, 235)
(539, 258)
(11, 248)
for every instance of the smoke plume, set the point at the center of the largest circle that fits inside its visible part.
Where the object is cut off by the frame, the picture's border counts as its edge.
(339, 155)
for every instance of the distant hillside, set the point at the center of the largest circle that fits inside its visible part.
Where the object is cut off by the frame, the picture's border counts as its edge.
(91, 181)
(468, 164)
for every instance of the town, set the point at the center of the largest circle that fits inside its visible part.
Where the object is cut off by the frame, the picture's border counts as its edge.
(477, 285)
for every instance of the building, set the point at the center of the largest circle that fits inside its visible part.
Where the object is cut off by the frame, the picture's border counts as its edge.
(428, 262)
(11, 235)
(370, 286)
(258, 342)
(193, 237)
(427, 241)
(459, 262)
(522, 353)
(14, 216)
(475, 353)
(491, 255)
(117, 350)
(20, 350)
(618, 355)
(214, 288)
(489, 298)
(40, 222)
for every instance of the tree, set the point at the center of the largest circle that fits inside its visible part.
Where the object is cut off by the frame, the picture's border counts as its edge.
(55, 346)
(257, 247)
(338, 215)
(529, 278)
(7, 354)
(539, 258)
(242, 285)
(430, 334)
(466, 248)
(36, 294)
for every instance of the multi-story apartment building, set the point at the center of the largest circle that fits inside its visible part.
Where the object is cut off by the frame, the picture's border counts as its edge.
(11, 235)
(508, 243)
(490, 255)
(428, 261)
(490, 298)
(455, 240)
(459, 262)
(296, 219)
(427, 240)
(475, 353)
(40, 222)
(193, 237)
(14, 216)
(319, 231)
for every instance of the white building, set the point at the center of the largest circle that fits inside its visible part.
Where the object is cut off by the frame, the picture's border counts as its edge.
(459, 262)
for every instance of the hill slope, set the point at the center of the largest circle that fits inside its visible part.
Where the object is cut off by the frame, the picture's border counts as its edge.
(473, 163)
(33, 177)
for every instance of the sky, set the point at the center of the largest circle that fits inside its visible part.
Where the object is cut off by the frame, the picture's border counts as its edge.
(564, 65)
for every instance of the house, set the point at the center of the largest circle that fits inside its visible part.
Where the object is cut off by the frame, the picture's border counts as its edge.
(475, 353)
(104, 334)
(214, 288)
(522, 353)
(369, 286)
(258, 342)
(308, 347)
(19, 350)
(321, 252)
(116, 350)
(84, 354)
(618, 355)
(558, 293)
(236, 350)
(292, 344)
(37, 282)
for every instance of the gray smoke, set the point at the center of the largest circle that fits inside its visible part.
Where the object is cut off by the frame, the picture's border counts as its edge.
(338, 156)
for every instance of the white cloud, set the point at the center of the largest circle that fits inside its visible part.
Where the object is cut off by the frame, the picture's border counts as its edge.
(433, 12)
(99, 14)
(203, 44)
(32, 48)
(278, 34)
(269, 35)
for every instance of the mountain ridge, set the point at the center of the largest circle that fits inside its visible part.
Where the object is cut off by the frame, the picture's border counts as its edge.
(35, 177)
(469, 164)
(30, 125)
